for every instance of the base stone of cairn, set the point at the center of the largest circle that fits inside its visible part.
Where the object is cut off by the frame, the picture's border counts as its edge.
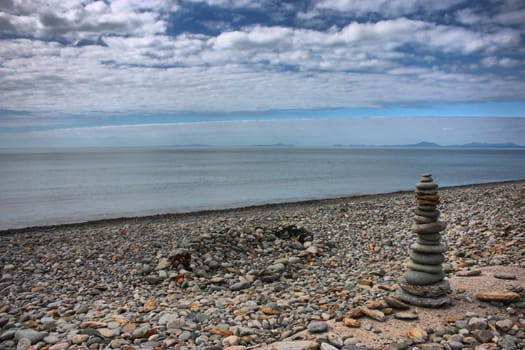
(424, 284)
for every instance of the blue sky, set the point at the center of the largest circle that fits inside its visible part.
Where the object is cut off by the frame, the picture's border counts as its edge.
(235, 72)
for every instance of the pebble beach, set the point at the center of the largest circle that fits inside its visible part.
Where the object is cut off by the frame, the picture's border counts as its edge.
(311, 275)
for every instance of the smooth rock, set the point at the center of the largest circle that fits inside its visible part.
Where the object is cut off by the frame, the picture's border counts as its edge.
(30, 334)
(326, 346)
(433, 269)
(292, 345)
(351, 322)
(503, 296)
(421, 278)
(406, 315)
(505, 275)
(434, 214)
(477, 323)
(426, 186)
(433, 290)
(240, 285)
(317, 327)
(432, 302)
(427, 259)
(417, 333)
(433, 227)
(504, 325)
(468, 273)
(374, 314)
(23, 344)
(429, 249)
(423, 219)
(396, 303)
(167, 318)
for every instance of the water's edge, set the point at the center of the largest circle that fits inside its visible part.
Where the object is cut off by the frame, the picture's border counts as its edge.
(206, 212)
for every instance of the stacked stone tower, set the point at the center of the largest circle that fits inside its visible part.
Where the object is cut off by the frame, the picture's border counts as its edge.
(424, 284)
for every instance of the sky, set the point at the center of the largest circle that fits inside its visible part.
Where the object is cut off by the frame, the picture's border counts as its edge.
(243, 72)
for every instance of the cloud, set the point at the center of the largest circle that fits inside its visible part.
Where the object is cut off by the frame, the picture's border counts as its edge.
(386, 8)
(76, 20)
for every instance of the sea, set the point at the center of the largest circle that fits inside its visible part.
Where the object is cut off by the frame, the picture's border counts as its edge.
(57, 186)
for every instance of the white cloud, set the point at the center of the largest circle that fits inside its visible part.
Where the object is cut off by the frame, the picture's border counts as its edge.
(387, 8)
(75, 19)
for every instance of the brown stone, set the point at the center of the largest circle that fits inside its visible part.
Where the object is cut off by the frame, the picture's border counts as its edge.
(352, 323)
(432, 302)
(503, 296)
(417, 333)
(468, 273)
(433, 227)
(433, 290)
(374, 314)
(396, 303)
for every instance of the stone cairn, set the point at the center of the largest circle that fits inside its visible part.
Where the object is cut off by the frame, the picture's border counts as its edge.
(424, 284)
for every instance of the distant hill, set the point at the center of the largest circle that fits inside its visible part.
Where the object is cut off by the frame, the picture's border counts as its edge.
(425, 144)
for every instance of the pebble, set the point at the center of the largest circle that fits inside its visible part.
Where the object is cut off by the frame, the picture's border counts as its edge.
(317, 327)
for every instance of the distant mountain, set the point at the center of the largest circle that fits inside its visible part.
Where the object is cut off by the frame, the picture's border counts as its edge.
(425, 144)
(490, 145)
(276, 145)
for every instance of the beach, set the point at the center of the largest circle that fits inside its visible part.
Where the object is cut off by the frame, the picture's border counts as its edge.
(293, 274)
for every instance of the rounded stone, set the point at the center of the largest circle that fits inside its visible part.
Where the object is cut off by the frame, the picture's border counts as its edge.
(428, 259)
(426, 185)
(423, 219)
(421, 278)
(433, 227)
(429, 236)
(426, 192)
(428, 214)
(426, 178)
(429, 198)
(426, 207)
(427, 242)
(423, 301)
(430, 291)
(434, 269)
(424, 201)
(429, 249)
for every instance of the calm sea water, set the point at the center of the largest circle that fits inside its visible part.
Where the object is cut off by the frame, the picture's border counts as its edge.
(64, 186)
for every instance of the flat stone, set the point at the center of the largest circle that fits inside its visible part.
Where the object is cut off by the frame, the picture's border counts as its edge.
(429, 214)
(326, 346)
(292, 345)
(468, 273)
(427, 259)
(433, 302)
(374, 314)
(430, 291)
(433, 227)
(427, 197)
(23, 344)
(396, 303)
(30, 334)
(424, 241)
(423, 278)
(429, 249)
(477, 323)
(505, 275)
(351, 322)
(240, 286)
(433, 269)
(426, 186)
(317, 327)
(417, 333)
(504, 325)
(503, 296)
(423, 219)
(406, 315)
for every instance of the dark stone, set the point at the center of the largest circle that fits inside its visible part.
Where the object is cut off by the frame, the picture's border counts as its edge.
(433, 290)
(433, 302)
(429, 259)
(423, 278)
(433, 269)
(429, 249)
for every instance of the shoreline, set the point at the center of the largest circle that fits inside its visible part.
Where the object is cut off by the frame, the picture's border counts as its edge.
(283, 276)
(207, 212)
